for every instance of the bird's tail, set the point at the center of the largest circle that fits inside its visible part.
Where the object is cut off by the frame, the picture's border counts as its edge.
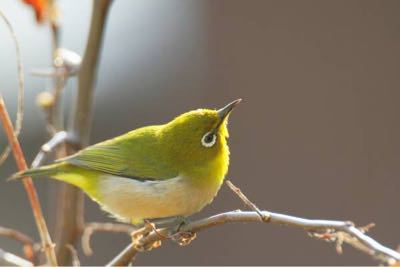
(49, 170)
(85, 179)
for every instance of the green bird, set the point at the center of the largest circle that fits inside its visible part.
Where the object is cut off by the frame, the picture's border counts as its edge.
(153, 172)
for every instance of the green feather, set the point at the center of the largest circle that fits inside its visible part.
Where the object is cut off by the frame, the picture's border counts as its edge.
(135, 154)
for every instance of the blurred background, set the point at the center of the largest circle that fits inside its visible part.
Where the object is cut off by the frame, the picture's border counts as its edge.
(317, 133)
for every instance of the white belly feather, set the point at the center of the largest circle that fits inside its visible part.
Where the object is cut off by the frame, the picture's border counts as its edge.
(131, 200)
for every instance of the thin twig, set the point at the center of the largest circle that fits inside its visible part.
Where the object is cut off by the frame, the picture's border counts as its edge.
(47, 244)
(74, 255)
(69, 220)
(16, 235)
(9, 259)
(48, 147)
(91, 228)
(25, 240)
(21, 87)
(245, 200)
(56, 117)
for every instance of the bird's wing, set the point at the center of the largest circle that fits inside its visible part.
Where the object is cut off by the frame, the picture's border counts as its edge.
(104, 158)
(134, 155)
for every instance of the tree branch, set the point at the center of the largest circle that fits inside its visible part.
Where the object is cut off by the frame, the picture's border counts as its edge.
(25, 240)
(21, 87)
(245, 200)
(9, 259)
(373, 248)
(74, 254)
(29, 186)
(91, 228)
(70, 221)
(87, 74)
(16, 235)
(48, 147)
(327, 230)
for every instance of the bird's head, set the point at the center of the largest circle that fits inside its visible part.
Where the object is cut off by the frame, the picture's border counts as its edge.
(198, 138)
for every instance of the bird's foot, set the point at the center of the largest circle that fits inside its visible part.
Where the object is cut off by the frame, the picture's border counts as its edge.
(139, 236)
(181, 221)
(177, 235)
(183, 238)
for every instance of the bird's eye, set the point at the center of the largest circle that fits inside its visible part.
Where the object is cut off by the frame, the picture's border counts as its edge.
(208, 139)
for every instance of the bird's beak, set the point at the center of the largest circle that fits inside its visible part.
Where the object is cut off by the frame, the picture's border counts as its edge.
(225, 111)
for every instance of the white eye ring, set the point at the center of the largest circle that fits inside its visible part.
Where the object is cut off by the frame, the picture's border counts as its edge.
(208, 143)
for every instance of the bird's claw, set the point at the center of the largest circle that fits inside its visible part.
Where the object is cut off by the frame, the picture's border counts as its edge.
(139, 235)
(183, 238)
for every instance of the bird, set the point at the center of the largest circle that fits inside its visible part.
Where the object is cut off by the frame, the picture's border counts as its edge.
(171, 170)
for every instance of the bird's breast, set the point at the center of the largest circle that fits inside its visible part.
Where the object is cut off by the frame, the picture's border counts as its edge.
(133, 200)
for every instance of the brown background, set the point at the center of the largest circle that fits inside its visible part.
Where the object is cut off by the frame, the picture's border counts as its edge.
(317, 134)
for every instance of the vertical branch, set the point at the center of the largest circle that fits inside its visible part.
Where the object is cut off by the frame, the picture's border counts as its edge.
(29, 186)
(21, 86)
(59, 81)
(70, 220)
(83, 112)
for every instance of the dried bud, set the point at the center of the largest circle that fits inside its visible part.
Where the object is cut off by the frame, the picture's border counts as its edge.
(28, 252)
(45, 100)
(67, 59)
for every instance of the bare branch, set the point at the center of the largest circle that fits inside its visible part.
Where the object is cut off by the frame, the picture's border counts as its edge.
(48, 147)
(55, 116)
(29, 186)
(21, 87)
(327, 230)
(375, 249)
(245, 200)
(26, 241)
(91, 228)
(87, 74)
(9, 259)
(335, 235)
(74, 254)
(16, 235)
(70, 221)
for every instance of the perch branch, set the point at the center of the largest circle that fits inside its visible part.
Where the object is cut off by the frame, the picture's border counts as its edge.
(334, 235)
(374, 248)
(91, 228)
(9, 259)
(47, 244)
(70, 221)
(328, 230)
